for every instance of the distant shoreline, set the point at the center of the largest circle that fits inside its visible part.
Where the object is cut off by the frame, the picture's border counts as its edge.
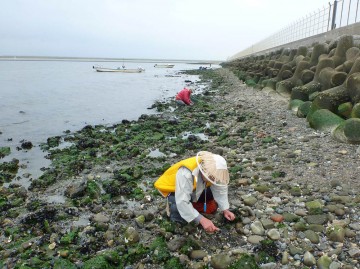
(81, 59)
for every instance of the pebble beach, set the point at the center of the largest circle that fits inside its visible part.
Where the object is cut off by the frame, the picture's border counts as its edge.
(294, 191)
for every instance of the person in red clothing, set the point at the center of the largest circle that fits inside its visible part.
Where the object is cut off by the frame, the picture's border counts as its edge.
(183, 97)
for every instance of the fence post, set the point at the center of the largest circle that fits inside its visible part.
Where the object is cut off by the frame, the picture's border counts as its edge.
(333, 23)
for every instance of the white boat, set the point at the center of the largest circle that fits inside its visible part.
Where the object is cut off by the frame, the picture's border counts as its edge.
(164, 65)
(121, 70)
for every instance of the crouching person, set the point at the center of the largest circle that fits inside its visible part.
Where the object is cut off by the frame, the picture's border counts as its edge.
(196, 185)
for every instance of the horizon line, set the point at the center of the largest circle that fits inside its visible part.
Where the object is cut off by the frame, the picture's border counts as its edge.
(102, 59)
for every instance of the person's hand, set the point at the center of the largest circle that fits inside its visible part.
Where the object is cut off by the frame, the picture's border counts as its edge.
(229, 215)
(208, 225)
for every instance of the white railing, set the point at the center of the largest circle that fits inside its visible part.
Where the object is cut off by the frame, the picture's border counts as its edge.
(338, 14)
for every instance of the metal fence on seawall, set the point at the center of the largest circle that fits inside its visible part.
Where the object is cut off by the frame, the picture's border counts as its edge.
(337, 14)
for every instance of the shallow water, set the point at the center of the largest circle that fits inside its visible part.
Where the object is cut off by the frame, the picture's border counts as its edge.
(40, 99)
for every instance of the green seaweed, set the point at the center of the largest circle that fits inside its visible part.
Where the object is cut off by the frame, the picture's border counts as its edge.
(246, 261)
(69, 237)
(161, 248)
(4, 151)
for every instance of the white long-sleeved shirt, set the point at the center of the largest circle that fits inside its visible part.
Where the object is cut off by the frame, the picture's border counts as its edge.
(184, 194)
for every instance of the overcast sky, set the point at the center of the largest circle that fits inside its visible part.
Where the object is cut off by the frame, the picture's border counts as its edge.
(166, 29)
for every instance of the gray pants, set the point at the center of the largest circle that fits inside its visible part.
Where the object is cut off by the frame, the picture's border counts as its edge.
(174, 212)
(180, 103)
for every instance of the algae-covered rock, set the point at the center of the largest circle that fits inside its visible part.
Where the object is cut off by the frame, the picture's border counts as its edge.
(221, 261)
(244, 262)
(323, 262)
(309, 259)
(336, 233)
(324, 120)
(131, 235)
(314, 207)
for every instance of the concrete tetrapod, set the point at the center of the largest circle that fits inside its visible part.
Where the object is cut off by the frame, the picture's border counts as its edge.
(301, 51)
(284, 73)
(318, 49)
(330, 78)
(332, 98)
(303, 92)
(351, 55)
(284, 87)
(345, 43)
(353, 87)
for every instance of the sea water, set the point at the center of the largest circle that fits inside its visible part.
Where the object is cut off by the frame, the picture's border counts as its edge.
(40, 99)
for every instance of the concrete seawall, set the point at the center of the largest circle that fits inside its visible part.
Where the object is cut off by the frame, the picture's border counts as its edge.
(353, 29)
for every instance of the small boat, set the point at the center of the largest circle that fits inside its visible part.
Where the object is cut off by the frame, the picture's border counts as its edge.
(164, 65)
(121, 70)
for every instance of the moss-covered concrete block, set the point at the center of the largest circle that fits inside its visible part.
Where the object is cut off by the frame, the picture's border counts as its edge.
(345, 109)
(303, 109)
(355, 113)
(294, 104)
(324, 120)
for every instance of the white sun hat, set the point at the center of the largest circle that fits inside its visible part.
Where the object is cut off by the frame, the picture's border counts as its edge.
(213, 167)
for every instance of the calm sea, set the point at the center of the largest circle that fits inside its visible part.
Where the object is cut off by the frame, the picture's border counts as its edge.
(40, 99)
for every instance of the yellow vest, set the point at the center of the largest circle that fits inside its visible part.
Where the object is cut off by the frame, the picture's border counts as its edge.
(166, 183)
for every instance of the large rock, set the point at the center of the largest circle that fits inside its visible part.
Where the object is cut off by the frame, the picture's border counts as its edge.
(221, 261)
